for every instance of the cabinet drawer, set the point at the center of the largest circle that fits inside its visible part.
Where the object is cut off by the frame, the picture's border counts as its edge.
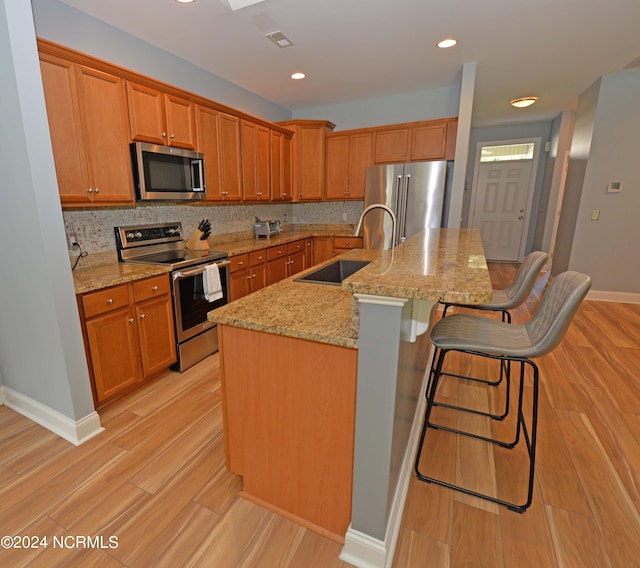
(103, 301)
(295, 246)
(276, 252)
(151, 287)
(239, 262)
(257, 257)
(347, 242)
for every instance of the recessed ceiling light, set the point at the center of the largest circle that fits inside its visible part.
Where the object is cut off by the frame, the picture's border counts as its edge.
(185, 1)
(298, 75)
(523, 102)
(449, 42)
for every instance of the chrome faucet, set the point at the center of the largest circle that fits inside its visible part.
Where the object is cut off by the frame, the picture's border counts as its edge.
(378, 206)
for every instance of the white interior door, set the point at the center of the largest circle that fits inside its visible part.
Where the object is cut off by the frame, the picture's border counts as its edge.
(500, 207)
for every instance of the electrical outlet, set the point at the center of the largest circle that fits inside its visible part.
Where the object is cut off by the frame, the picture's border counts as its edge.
(72, 241)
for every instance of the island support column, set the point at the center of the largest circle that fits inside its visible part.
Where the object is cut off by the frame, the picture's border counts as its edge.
(392, 364)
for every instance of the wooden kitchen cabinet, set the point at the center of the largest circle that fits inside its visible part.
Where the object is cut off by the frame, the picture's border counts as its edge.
(280, 166)
(308, 253)
(344, 244)
(348, 157)
(129, 335)
(255, 143)
(86, 109)
(427, 140)
(218, 138)
(160, 118)
(308, 157)
(277, 263)
(248, 273)
(322, 249)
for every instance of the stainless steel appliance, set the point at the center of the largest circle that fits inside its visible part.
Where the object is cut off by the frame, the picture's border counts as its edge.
(164, 173)
(265, 228)
(414, 191)
(196, 337)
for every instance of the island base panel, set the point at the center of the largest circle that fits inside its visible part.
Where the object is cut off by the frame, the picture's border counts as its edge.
(289, 423)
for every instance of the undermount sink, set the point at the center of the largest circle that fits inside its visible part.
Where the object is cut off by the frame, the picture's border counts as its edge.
(333, 273)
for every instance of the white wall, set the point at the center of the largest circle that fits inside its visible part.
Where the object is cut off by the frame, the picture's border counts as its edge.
(394, 109)
(609, 249)
(41, 348)
(62, 24)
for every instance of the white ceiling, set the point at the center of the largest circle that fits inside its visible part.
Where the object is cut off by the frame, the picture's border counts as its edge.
(358, 49)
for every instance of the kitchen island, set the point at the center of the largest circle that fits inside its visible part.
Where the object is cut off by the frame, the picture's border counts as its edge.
(321, 386)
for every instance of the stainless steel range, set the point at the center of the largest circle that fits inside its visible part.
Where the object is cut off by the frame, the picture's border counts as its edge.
(164, 243)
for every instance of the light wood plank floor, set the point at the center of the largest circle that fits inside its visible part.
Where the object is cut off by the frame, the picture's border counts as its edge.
(156, 478)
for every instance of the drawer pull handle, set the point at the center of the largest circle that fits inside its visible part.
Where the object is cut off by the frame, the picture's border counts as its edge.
(240, 263)
(130, 320)
(154, 288)
(110, 301)
(142, 316)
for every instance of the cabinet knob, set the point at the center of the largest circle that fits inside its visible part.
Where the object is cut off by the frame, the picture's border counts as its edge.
(240, 263)
(173, 136)
(97, 190)
(110, 301)
(249, 277)
(130, 320)
(90, 190)
(154, 288)
(163, 134)
(142, 316)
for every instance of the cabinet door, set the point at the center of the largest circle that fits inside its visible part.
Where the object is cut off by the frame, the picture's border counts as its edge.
(240, 283)
(248, 145)
(114, 352)
(258, 277)
(337, 180)
(322, 249)
(102, 105)
(308, 253)
(311, 146)
(65, 126)
(429, 142)
(360, 158)
(263, 163)
(391, 145)
(146, 114)
(230, 163)
(276, 270)
(295, 263)
(181, 122)
(280, 166)
(156, 334)
(208, 138)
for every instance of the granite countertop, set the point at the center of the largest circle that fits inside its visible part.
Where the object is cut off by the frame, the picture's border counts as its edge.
(102, 270)
(438, 264)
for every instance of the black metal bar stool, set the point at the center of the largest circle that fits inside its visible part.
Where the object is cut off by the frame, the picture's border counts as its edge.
(519, 343)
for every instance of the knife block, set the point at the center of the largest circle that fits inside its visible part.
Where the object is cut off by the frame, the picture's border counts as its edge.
(194, 242)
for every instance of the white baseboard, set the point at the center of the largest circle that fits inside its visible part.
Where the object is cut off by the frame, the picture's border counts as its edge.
(364, 551)
(76, 432)
(622, 297)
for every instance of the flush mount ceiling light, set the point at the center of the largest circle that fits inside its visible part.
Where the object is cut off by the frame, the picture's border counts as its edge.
(298, 75)
(279, 39)
(449, 42)
(185, 1)
(523, 102)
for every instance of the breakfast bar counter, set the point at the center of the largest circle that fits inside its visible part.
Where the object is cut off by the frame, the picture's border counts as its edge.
(321, 385)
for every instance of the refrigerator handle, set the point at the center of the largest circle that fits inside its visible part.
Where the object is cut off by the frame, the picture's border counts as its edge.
(403, 219)
(398, 209)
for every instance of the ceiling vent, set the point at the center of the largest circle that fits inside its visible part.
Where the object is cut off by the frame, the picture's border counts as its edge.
(279, 39)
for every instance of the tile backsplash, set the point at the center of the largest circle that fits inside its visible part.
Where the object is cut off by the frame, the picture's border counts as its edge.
(94, 227)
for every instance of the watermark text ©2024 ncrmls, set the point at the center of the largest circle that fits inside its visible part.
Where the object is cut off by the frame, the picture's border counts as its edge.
(68, 541)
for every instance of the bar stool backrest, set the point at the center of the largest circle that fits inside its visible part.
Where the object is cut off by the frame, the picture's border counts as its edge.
(520, 288)
(556, 310)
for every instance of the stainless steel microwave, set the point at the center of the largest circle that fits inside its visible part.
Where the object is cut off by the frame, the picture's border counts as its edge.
(164, 173)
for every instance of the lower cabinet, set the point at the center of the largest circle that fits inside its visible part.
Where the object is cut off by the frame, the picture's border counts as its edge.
(343, 244)
(286, 260)
(129, 335)
(248, 273)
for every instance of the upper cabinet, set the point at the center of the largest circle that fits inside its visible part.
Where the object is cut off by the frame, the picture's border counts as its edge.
(348, 157)
(256, 167)
(218, 138)
(280, 166)
(87, 120)
(160, 118)
(308, 157)
(428, 140)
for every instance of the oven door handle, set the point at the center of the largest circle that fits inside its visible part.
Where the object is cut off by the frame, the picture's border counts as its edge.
(185, 274)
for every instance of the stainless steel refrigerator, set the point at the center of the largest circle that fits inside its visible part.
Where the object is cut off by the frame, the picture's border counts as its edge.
(415, 192)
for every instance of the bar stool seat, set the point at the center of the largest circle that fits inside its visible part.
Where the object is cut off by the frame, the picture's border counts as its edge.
(516, 293)
(492, 339)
